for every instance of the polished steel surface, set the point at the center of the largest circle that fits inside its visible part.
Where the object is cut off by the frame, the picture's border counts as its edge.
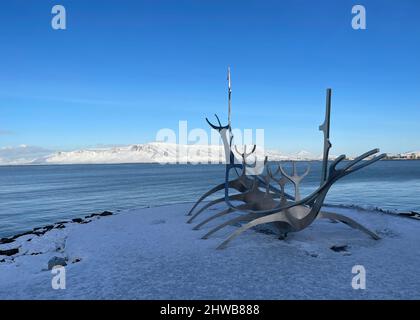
(260, 202)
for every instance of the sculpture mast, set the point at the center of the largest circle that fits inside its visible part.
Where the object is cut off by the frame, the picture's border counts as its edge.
(325, 127)
(229, 102)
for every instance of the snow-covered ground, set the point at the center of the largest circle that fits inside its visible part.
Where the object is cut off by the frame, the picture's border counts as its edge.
(153, 254)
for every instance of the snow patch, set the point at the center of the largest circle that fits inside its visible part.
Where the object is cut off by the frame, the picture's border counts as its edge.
(153, 254)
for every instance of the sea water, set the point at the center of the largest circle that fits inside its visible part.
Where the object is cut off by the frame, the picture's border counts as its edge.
(32, 196)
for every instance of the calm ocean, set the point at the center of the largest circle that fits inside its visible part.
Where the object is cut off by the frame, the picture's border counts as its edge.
(32, 196)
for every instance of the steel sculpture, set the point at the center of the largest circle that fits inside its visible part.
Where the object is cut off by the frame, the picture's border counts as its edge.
(261, 202)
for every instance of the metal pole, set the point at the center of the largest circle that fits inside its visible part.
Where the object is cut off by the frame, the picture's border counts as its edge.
(325, 127)
(229, 99)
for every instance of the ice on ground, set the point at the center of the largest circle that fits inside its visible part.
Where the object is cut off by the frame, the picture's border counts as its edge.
(153, 254)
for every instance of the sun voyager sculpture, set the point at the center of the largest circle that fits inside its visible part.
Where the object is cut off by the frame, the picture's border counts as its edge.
(262, 198)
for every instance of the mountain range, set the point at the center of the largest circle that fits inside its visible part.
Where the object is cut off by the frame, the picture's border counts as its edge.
(154, 152)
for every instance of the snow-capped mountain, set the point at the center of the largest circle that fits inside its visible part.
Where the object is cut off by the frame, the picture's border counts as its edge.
(22, 154)
(154, 152)
(304, 155)
(141, 153)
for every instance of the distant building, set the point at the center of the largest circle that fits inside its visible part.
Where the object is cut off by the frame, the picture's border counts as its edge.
(405, 156)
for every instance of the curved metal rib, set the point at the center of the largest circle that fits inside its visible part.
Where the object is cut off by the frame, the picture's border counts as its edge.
(240, 184)
(234, 197)
(247, 217)
(208, 193)
(275, 217)
(349, 222)
(217, 215)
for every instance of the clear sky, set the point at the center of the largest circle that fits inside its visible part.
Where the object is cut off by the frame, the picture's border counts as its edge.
(125, 69)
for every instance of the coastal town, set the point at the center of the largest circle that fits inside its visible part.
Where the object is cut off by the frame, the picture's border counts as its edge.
(412, 155)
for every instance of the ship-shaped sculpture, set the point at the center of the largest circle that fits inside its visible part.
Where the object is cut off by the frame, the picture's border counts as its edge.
(262, 198)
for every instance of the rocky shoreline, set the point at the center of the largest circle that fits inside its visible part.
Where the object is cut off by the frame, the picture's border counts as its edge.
(39, 231)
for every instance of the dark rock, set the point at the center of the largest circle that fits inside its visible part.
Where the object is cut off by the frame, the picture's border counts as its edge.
(92, 215)
(339, 248)
(2, 260)
(40, 232)
(35, 253)
(103, 214)
(76, 260)
(282, 237)
(6, 240)
(77, 220)
(21, 234)
(60, 226)
(411, 214)
(30, 239)
(56, 261)
(48, 228)
(9, 252)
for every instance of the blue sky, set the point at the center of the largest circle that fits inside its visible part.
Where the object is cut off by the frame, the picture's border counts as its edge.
(125, 69)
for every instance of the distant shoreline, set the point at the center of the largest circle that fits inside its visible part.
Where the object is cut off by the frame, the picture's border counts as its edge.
(173, 163)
